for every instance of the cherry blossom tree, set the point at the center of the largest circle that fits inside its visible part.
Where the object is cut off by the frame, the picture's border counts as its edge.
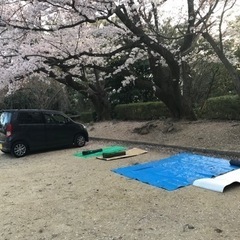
(76, 42)
(44, 45)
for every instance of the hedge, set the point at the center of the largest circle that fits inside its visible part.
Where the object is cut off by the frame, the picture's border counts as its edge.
(222, 108)
(141, 111)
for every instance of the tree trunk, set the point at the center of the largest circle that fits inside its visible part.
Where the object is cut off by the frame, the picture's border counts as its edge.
(187, 104)
(180, 105)
(170, 95)
(101, 106)
(166, 80)
(96, 94)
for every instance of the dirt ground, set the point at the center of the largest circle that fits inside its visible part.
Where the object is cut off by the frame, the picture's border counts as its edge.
(56, 195)
(216, 135)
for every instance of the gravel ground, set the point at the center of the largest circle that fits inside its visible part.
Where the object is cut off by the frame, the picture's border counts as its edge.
(55, 195)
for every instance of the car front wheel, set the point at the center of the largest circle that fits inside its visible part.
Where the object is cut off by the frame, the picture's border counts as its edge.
(79, 141)
(19, 149)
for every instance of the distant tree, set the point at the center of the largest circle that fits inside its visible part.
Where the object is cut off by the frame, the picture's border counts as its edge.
(78, 103)
(210, 80)
(219, 41)
(43, 95)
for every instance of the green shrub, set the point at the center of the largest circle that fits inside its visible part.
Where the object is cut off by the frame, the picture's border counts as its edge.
(141, 111)
(224, 108)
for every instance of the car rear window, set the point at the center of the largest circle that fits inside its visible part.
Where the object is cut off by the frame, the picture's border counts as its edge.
(5, 118)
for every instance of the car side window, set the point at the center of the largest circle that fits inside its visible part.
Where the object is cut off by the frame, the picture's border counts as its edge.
(30, 118)
(55, 118)
(48, 119)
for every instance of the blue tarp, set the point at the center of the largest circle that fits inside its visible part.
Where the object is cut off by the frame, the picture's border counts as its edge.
(176, 171)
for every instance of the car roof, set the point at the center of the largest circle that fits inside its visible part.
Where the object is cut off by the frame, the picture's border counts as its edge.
(30, 110)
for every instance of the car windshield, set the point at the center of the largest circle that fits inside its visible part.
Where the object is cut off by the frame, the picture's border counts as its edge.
(5, 118)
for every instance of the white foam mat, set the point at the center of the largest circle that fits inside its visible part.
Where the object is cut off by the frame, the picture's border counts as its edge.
(220, 182)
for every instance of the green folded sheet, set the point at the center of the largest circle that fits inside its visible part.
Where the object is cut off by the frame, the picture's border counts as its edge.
(110, 149)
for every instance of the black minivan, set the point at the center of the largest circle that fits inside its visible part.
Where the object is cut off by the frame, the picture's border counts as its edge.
(24, 130)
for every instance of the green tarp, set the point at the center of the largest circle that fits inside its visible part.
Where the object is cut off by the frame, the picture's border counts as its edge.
(110, 149)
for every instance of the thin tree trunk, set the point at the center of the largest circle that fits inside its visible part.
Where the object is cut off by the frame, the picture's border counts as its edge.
(231, 70)
(187, 104)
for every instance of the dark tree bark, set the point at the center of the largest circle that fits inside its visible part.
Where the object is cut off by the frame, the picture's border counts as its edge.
(97, 94)
(166, 79)
(187, 103)
(102, 106)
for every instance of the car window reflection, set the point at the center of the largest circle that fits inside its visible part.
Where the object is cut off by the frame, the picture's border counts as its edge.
(55, 119)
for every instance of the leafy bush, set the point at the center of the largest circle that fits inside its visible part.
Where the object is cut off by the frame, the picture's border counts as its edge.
(224, 108)
(141, 111)
(84, 117)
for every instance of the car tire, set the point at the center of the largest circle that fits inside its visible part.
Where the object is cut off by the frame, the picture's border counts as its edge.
(79, 140)
(19, 149)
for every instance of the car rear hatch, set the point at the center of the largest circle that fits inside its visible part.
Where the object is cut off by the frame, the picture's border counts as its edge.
(5, 118)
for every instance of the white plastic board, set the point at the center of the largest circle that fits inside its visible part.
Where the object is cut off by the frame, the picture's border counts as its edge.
(220, 182)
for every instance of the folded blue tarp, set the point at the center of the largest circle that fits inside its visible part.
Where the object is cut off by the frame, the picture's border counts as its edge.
(176, 171)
